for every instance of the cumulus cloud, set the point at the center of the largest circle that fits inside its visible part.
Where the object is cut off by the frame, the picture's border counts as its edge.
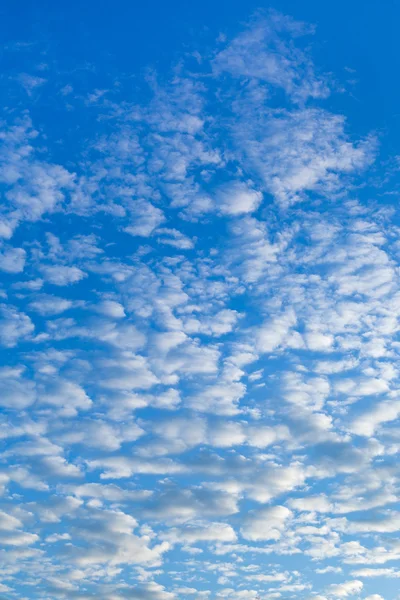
(265, 524)
(237, 198)
(12, 260)
(14, 326)
(343, 590)
(61, 275)
(48, 305)
(199, 325)
(303, 151)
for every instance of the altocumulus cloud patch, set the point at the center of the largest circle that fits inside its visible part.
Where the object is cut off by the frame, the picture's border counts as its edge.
(199, 316)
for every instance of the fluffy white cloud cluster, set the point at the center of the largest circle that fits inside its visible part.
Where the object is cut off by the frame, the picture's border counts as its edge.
(199, 332)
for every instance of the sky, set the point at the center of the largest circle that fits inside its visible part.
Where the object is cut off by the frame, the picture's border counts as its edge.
(199, 300)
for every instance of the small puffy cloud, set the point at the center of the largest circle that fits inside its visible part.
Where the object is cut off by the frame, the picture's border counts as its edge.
(237, 198)
(262, 52)
(62, 275)
(119, 467)
(107, 537)
(386, 523)
(14, 326)
(274, 480)
(343, 590)
(67, 396)
(11, 533)
(30, 82)
(201, 532)
(145, 591)
(265, 523)
(144, 218)
(12, 260)
(96, 433)
(175, 238)
(110, 308)
(216, 325)
(34, 186)
(48, 305)
(368, 421)
(238, 594)
(220, 399)
(16, 392)
(365, 386)
(311, 504)
(300, 151)
(367, 572)
(271, 335)
(58, 467)
(318, 341)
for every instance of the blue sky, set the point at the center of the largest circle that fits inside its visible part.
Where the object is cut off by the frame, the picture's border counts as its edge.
(199, 301)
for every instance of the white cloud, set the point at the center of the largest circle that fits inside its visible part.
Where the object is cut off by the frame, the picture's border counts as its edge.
(237, 198)
(228, 365)
(343, 590)
(14, 326)
(110, 308)
(48, 305)
(65, 395)
(12, 260)
(173, 237)
(302, 151)
(261, 53)
(271, 335)
(30, 82)
(199, 532)
(265, 524)
(62, 275)
(367, 422)
(15, 391)
(145, 218)
(376, 573)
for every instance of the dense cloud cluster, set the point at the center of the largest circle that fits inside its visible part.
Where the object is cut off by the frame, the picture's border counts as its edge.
(198, 326)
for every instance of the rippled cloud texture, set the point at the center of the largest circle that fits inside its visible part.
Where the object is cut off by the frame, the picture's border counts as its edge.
(199, 332)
